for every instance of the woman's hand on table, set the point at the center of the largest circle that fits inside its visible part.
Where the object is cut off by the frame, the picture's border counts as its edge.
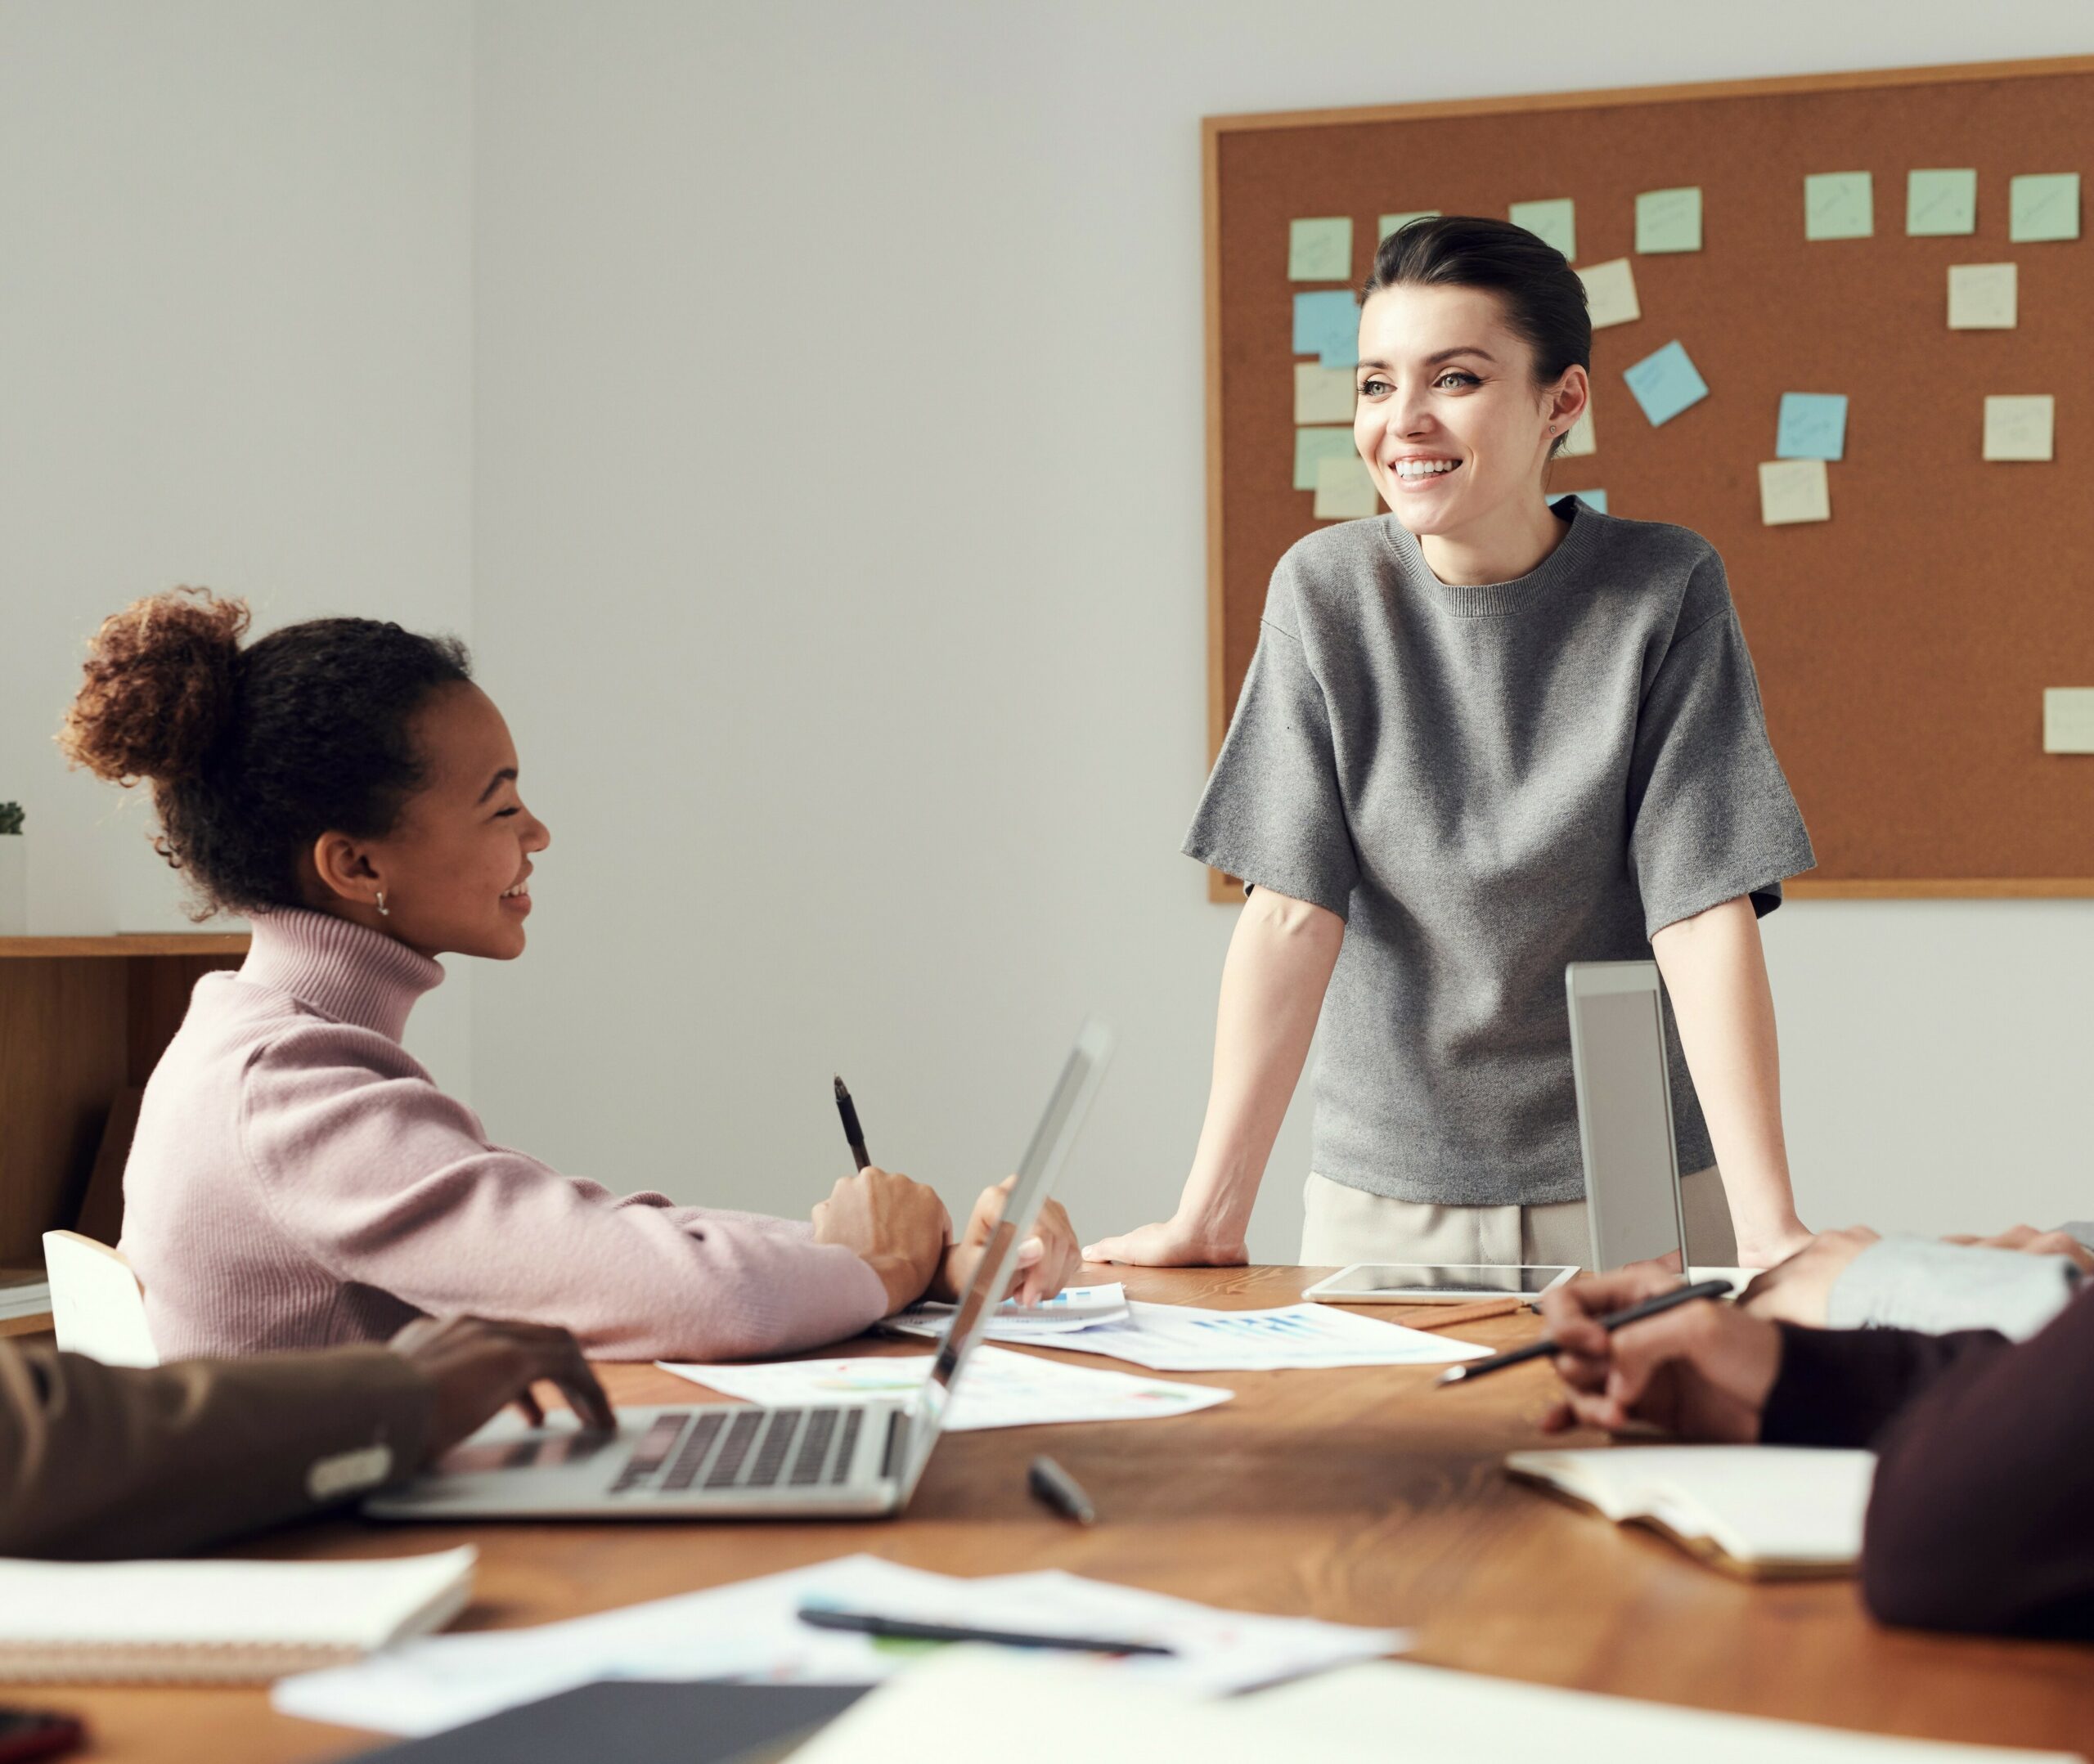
(897, 1228)
(1800, 1290)
(1045, 1259)
(1174, 1243)
(1769, 1244)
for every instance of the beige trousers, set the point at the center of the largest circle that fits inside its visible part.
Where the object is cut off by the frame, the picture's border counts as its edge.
(1345, 1225)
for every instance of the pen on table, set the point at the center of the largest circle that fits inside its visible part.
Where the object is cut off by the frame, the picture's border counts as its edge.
(851, 1130)
(1051, 1482)
(907, 1629)
(1537, 1350)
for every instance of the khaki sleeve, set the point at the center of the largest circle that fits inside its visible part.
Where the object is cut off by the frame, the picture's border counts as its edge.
(104, 1460)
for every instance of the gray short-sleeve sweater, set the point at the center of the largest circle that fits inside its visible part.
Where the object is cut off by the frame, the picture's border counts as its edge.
(1486, 784)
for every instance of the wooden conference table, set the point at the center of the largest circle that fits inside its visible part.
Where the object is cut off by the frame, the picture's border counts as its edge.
(1362, 1496)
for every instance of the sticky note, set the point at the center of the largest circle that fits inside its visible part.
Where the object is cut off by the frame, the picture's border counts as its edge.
(1554, 222)
(1322, 394)
(1344, 491)
(1937, 204)
(1665, 384)
(1327, 326)
(1981, 296)
(1792, 491)
(1319, 250)
(1813, 426)
(1668, 220)
(1594, 499)
(1580, 440)
(1312, 446)
(1838, 205)
(2042, 205)
(1610, 293)
(2069, 720)
(2019, 428)
(1390, 222)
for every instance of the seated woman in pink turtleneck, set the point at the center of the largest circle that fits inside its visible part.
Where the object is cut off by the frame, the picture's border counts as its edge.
(297, 1178)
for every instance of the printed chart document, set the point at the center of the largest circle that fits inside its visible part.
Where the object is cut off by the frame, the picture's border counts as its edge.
(1070, 1309)
(752, 1630)
(1185, 1338)
(999, 1388)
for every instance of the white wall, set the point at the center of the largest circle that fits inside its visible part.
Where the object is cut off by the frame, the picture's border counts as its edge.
(236, 317)
(839, 519)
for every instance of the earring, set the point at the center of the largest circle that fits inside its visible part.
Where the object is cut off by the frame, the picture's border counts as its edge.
(384, 910)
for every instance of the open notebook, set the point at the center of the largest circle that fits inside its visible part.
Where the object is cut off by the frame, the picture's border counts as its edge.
(215, 1621)
(1766, 1512)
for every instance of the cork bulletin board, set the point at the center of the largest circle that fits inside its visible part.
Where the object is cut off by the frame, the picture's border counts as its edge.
(1905, 644)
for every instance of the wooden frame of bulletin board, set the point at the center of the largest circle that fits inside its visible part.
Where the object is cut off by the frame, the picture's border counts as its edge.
(1905, 644)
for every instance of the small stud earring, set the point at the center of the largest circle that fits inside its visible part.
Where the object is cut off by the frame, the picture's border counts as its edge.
(384, 910)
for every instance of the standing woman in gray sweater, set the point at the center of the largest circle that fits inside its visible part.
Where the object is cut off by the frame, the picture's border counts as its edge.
(1481, 737)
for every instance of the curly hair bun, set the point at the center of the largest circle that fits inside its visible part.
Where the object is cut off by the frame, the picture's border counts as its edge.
(158, 687)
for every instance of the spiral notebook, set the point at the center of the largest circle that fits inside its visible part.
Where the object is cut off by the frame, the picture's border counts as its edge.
(215, 1621)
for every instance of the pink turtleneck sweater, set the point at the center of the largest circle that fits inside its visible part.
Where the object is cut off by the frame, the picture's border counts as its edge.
(298, 1180)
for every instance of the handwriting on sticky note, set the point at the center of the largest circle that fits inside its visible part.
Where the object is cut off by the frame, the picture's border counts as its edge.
(1610, 293)
(1813, 426)
(1838, 205)
(2069, 720)
(1554, 222)
(1580, 438)
(1322, 394)
(1665, 384)
(1402, 218)
(1319, 250)
(1327, 326)
(1941, 203)
(2020, 427)
(2042, 205)
(1981, 296)
(1344, 491)
(1792, 491)
(1668, 220)
(1312, 446)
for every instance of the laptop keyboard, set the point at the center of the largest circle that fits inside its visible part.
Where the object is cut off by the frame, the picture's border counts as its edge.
(747, 1448)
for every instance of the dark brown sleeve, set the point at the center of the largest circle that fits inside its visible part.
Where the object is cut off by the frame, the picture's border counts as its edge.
(102, 1460)
(1841, 1387)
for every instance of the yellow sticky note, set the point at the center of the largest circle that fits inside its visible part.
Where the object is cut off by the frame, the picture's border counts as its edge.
(1319, 250)
(1982, 296)
(1390, 222)
(1322, 394)
(1792, 491)
(1610, 293)
(1668, 220)
(2069, 720)
(1344, 491)
(2019, 428)
(1580, 440)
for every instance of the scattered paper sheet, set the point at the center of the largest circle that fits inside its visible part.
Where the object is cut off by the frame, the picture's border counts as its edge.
(1320, 250)
(1941, 203)
(1668, 220)
(1073, 1308)
(1327, 326)
(1312, 446)
(999, 1388)
(2019, 428)
(1581, 439)
(1981, 296)
(1838, 205)
(1665, 384)
(1344, 490)
(1813, 426)
(1186, 1338)
(1390, 222)
(1792, 491)
(1611, 292)
(2043, 205)
(1323, 394)
(2069, 720)
(1554, 222)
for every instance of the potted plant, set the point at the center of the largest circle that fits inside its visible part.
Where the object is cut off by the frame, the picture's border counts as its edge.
(14, 873)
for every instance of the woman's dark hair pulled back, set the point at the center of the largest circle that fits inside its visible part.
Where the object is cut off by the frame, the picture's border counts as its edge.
(1543, 300)
(253, 753)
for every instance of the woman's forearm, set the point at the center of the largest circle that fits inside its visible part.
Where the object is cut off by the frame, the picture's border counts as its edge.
(1716, 974)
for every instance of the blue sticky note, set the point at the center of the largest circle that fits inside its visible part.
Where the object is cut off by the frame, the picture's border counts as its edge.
(1594, 499)
(1327, 324)
(1813, 426)
(1665, 384)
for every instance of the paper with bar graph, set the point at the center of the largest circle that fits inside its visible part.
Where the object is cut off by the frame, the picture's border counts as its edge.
(1186, 1338)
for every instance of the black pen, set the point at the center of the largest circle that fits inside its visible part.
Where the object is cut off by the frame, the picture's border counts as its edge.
(1051, 1482)
(851, 1130)
(907, 1629)
(1539, 1350)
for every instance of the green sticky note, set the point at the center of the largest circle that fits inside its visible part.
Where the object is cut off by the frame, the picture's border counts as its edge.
(1838, 205)
(2043, 205)
(1938, 204)
(1390, 222)
(1319, 250)
(1312, 446)
(1554, 222)
(1668, 220)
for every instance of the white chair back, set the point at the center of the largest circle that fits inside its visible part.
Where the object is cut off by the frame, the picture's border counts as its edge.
(97, 1306)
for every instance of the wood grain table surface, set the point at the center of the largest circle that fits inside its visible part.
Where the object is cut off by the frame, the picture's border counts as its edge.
(1360, 1495)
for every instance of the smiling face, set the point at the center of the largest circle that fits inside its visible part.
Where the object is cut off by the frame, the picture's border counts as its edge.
(454, 868)
(1451, 422)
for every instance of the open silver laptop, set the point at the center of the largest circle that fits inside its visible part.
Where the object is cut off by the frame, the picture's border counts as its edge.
(1624, 1112)
(748, 1460)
